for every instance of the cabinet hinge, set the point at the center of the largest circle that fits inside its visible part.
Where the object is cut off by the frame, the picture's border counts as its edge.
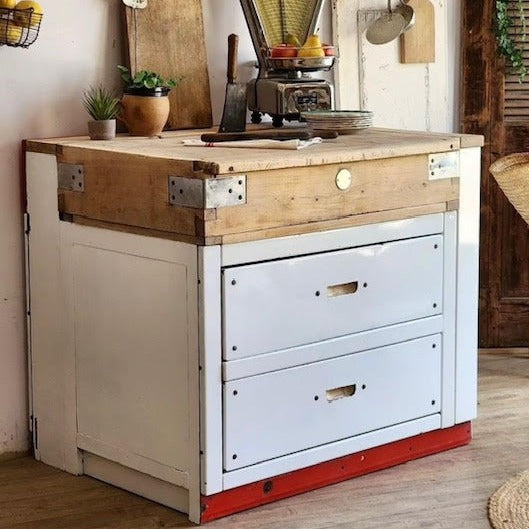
(27, 223)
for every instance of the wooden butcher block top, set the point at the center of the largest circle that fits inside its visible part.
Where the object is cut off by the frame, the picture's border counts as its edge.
(159, 187)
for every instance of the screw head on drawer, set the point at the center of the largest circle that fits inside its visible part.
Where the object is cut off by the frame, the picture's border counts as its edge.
(344, 179)
(268, 486)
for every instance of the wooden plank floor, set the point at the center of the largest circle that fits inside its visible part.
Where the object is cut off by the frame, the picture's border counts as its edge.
(445, 491)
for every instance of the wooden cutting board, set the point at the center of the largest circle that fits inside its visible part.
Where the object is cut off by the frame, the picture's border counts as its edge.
(417, 45)
(167, 37)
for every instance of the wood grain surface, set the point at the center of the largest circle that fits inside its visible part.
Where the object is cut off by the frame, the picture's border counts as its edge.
(289, 192)
(418, 43)
(335, 224)
(168, 38)
(369, 145)
(131, 191)
(309, 195)
(447, 490)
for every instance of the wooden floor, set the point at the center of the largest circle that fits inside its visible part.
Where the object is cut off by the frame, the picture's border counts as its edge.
(446, 491)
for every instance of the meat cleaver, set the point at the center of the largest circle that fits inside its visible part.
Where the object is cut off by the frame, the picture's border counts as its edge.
(234, 115)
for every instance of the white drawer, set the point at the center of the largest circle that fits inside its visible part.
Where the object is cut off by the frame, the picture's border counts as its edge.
(280, 304)
(275, 414)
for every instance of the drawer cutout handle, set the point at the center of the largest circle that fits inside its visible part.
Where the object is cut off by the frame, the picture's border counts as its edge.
(344, 289)
(340, 393)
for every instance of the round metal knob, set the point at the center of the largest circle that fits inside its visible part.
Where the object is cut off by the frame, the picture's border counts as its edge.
(344, 179)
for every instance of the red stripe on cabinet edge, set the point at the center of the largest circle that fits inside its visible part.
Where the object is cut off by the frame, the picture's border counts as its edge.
(330, 472)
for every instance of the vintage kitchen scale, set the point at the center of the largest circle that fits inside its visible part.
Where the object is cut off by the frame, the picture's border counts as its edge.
(284, 86)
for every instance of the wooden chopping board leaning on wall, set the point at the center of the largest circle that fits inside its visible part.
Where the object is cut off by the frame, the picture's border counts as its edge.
(417, 45)
(167, 37)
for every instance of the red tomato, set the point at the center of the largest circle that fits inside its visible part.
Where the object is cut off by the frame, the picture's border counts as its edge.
(284, 51)
(328, 49)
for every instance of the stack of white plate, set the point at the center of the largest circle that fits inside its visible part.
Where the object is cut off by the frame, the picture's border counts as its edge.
(341, 121)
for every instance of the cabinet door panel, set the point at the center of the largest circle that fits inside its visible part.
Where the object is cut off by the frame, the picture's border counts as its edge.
(133, 309)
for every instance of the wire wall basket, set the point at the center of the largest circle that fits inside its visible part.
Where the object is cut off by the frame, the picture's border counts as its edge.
(19, 27)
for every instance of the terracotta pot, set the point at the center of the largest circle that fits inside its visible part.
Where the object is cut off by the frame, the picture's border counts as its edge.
(145, 113)
(104, 129)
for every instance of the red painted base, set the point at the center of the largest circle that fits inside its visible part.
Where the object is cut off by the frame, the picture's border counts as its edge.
(329, 472)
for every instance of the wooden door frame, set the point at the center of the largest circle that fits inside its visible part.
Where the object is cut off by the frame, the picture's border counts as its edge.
(482, 76)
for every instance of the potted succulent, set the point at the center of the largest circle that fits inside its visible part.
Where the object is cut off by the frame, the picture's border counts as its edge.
(145, 103)
(103, 108)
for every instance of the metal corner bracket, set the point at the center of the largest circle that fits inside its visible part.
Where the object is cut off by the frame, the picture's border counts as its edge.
(209, 193)
(70, 176)
(444, 165)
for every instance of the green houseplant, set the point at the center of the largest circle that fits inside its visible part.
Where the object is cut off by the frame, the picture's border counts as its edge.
(103, 107)
(508, 45)
(146, 81)
(145, 102)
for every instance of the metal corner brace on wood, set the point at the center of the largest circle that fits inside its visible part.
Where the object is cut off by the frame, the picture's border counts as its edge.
(444, 165)
(70, 176)
(208, 193)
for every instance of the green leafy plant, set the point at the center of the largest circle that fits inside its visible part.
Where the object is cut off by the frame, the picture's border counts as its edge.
(146, 79)
(507, 46)
(100, 103)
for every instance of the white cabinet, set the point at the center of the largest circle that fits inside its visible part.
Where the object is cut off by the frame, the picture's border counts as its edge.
(201, 375)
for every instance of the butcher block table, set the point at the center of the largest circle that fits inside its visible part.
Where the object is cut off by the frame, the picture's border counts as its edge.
(219, 328)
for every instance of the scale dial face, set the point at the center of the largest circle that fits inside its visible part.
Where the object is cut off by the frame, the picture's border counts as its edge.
(136, 4)
(298, 98)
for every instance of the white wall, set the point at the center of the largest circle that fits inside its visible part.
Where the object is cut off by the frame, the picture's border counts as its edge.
(405, 96)
(79, 45)
(40, 94)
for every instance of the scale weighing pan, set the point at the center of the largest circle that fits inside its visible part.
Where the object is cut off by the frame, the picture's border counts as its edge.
(274, 22)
